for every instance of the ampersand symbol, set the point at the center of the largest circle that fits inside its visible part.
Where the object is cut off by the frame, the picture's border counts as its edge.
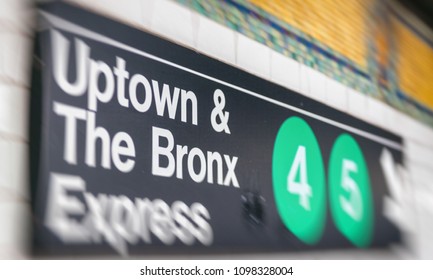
(220, 101)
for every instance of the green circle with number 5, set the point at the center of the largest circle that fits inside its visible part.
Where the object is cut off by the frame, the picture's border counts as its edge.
(298, 178)
(349, 191)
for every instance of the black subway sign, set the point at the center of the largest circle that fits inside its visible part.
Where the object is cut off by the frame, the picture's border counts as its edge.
(149, 147)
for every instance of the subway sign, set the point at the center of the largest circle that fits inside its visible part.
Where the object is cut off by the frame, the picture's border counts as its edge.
(141, 146)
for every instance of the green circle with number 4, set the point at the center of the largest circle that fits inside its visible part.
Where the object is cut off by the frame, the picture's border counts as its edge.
(298, 178)
(349, 191)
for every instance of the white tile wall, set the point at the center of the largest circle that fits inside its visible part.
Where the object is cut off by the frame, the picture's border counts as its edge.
(14, 109)
(177, 23)
(133, 12)
(304, 82)
(424, 215)
(15, 221)
(147, 7)
(285, 71)
(15, 57)
(411, 129)
(129, 11)
(419, 153)
(173, 21)
(376, 112)
(16, 15)
(216, 40)
(336, 94)
(253, 57)
(317, 84)
(356, 103)
(16, 18)
(420, 174)
(14, 169)
(388, 113)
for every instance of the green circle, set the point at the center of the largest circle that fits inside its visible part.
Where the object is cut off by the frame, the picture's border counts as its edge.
(297, 159)
(349, 191)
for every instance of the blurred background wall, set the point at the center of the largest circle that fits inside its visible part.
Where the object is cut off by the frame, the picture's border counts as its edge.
(372, 59)
(16, 29)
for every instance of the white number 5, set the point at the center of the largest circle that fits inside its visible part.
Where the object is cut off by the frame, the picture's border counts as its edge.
(352, 206)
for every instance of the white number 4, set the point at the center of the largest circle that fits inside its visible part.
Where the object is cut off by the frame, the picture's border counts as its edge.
(301, 188)
(353, 205)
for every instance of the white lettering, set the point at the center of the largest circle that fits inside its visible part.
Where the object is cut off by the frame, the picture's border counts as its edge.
(165, 100)
(211, 158)
(118, 220)
(101, 81)
(60, 205)
(118, 150)
(189, 95)
(135, 80)
(231, 176)
(96, 69)
(198, 163)
(94, 133)
(199, 176)
(158, 151)
(60, 66)
(122, 75)
(71, 114)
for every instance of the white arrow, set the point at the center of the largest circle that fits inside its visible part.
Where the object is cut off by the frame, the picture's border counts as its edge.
(397, 206)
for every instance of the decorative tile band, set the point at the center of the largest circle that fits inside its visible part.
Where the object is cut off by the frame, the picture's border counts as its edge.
(362, 44)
